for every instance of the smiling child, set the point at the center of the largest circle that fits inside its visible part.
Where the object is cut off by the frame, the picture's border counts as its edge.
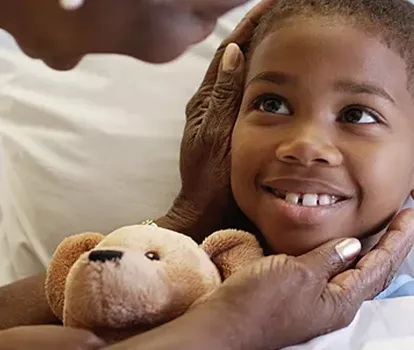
(323, 146)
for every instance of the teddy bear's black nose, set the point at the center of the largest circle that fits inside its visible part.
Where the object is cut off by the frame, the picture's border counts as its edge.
(105, 255)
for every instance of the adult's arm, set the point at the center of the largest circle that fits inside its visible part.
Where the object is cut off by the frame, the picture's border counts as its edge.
(24, 303)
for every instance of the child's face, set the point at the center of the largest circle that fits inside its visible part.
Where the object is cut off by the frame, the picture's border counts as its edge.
(323, 145)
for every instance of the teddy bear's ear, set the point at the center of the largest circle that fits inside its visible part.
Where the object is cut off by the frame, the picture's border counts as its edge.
(231, 250)
(64, 257)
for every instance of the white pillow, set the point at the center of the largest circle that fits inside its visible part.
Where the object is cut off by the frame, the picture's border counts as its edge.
(90, 149)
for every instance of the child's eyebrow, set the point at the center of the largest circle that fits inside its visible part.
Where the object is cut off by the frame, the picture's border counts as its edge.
(280, 78)
(363, 88)
(277, 78)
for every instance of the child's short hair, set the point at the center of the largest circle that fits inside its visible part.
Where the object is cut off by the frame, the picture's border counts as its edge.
(392, 20)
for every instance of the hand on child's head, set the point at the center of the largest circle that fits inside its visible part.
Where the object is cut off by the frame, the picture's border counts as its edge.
(211, 114)
(49, 338)
(322, 147)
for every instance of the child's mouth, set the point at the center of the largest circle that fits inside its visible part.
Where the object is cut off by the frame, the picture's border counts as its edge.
(304, 199)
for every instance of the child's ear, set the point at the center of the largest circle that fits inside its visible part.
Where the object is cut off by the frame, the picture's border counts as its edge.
(66, 254)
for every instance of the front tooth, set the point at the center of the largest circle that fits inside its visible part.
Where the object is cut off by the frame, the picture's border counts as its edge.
(310, 200)
(292, 198)
(324, 199)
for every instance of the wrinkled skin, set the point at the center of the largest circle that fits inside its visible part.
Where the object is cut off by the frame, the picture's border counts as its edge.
(290, 300)
(205, 202)
(153, 31)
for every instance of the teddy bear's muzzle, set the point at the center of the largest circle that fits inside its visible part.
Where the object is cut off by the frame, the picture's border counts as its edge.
(116, 289)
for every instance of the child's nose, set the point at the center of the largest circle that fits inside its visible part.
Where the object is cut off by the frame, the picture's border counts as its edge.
(308, 148)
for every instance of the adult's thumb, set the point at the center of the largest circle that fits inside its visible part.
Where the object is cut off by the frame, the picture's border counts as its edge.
(228, 90)
(231, 72)
(332, 257)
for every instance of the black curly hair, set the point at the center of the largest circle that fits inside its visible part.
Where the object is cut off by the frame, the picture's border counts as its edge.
(391, 20)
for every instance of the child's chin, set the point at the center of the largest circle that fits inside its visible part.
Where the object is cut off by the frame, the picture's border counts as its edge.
(296, 242)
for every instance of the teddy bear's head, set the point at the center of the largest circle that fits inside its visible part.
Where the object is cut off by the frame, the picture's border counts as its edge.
(139, 275)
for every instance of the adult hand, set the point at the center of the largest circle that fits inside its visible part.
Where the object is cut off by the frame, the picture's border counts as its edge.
(282, 300)
(48, 338)
(205, 198)
(151, 30)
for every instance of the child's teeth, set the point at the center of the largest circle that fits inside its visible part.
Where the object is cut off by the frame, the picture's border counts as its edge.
(292, 198)
(324, 199)
(310, 200)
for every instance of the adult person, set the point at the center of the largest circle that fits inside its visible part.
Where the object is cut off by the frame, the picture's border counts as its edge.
(153, 31)
(341, 296)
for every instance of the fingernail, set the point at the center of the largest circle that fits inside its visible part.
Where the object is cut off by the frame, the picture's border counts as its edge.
(231, 57)
(348, 249)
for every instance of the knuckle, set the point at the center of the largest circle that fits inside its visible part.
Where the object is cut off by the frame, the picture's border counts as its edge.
(306, 271)
(225, 90)
(303, 272)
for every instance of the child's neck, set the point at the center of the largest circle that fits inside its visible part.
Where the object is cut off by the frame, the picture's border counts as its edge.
(370, 242)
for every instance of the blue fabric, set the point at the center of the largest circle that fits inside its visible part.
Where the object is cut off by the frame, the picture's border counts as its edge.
(401, 286)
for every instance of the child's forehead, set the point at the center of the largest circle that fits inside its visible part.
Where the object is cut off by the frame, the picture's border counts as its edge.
(391, 21)
(341, 46)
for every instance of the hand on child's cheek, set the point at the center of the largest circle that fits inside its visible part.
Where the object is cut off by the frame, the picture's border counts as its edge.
(282, 300)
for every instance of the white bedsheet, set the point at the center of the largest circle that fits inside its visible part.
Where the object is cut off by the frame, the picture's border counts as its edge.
(379, 325)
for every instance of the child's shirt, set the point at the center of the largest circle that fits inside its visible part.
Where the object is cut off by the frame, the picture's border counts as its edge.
(401, 286)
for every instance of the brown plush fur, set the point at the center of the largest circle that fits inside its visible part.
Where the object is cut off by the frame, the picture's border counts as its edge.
(135, 292)
(63, 259)
(230, 250)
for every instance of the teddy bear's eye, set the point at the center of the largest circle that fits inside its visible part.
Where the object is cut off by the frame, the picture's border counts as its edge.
(152, 256)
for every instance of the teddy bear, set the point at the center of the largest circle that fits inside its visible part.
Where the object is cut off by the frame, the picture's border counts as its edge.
(139, 277)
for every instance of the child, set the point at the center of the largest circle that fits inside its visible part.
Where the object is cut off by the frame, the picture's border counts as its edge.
(322, 147)
(323, 144)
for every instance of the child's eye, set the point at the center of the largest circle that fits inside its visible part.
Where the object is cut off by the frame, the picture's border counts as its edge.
(358, 115)
(272, 104)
